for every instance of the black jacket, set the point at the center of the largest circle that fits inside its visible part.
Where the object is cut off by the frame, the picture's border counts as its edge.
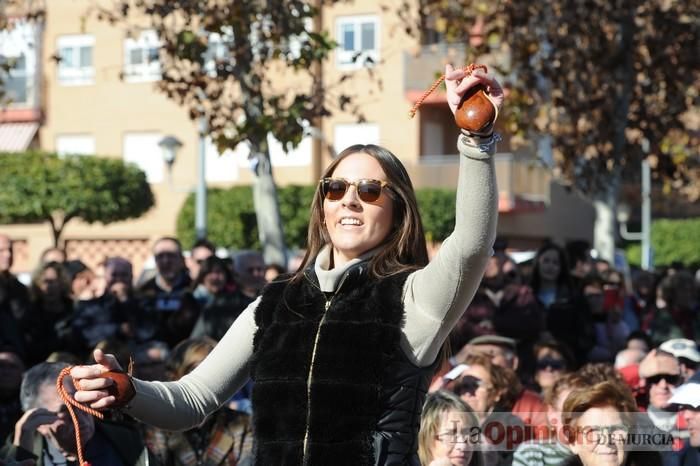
(332, 385)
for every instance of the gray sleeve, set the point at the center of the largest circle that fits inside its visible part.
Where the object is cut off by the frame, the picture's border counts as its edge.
(184, 404)
(437, 295)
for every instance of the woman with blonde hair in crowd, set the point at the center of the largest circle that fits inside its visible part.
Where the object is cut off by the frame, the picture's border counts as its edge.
(448, 433)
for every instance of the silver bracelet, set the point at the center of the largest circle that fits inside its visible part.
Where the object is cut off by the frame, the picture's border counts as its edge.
(484, 144)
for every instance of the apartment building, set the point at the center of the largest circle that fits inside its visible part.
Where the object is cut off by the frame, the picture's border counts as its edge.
(99, 100)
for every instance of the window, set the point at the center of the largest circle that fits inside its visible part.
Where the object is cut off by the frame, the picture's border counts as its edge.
(141, 57)
(15, 81)
(358, 41)
(142, 150)
(75, 144)
(75, 67)
(348, 134)
(19, 51)
(220, 168)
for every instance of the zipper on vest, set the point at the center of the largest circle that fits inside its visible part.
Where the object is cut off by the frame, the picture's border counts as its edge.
(309, 378)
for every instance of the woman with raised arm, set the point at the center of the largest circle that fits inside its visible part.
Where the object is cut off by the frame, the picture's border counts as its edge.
(342, 351)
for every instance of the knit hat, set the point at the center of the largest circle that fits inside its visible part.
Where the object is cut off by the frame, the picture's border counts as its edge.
(658, 362)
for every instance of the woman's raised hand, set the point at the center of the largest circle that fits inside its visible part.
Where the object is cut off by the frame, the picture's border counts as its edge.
(457, 82)
(91, 387)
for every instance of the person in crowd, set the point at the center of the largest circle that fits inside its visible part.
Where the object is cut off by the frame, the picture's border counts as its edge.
(627, 365)
(520, 316)
(167, 308)
(448, 433)
(687, 400)
(552, 360)
(14, 300)
(605, 303)
(11, 369)
(628, 357)
(249, 269)
(639, 340)
(580, 262)
(273, 271)
(52, 254)
(567, 316)
(364, 317)
(149, 360)
(45, 432)
(686, 351)
(550, 447)
(202, 249)
(526, 404)
(47, 327)
(486, 388)
(219, 306)
(224, 438)
(661, 374)
(642, 297)
(114, 314)
(673, 315)
(597, 422)
(80, 278)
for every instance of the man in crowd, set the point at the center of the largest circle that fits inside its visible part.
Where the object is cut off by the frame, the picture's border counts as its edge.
(168, 309)
(686, 351)
(11, 369)
(660, 374)
(113, 314)
(249, 268)
(14, 299)
(687, 398)
(46, 434)
(201, 250)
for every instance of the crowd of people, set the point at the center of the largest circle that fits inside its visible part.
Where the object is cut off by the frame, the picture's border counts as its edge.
(367, 353)
(533, 335)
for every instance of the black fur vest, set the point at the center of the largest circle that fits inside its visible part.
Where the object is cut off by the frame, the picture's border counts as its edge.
(332, 385)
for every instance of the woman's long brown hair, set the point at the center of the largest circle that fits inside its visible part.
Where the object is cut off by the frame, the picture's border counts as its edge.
(404, 248)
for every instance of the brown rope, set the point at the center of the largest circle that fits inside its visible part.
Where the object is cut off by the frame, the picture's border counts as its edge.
(469, 69)
(70, 403)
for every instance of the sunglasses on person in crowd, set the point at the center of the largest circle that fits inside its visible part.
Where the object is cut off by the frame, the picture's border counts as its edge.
(468, 384)
(551, 363)
(368, 191)
(670, 379)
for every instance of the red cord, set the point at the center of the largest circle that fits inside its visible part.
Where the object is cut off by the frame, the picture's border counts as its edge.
(469, 70)
(70, 403)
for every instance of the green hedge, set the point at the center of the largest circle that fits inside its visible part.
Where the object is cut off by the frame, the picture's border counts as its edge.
(672, 241)
(231, 217)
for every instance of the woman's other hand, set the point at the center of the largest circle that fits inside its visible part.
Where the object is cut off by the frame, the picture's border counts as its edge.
(91, 386)
(457, 83)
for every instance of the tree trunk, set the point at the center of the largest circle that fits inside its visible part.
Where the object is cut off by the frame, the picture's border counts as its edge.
(267, 211)
(57, 226)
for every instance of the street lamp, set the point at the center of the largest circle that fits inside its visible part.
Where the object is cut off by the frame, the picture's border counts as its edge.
(624, 213)
(169, 145)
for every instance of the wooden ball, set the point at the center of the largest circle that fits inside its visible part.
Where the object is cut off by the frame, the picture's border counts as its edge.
(122, 388)
(475, 112)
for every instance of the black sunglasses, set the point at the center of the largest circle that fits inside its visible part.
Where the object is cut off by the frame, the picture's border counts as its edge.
(468, 384)
(670, 379)
(369, 191)
(552, 363)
